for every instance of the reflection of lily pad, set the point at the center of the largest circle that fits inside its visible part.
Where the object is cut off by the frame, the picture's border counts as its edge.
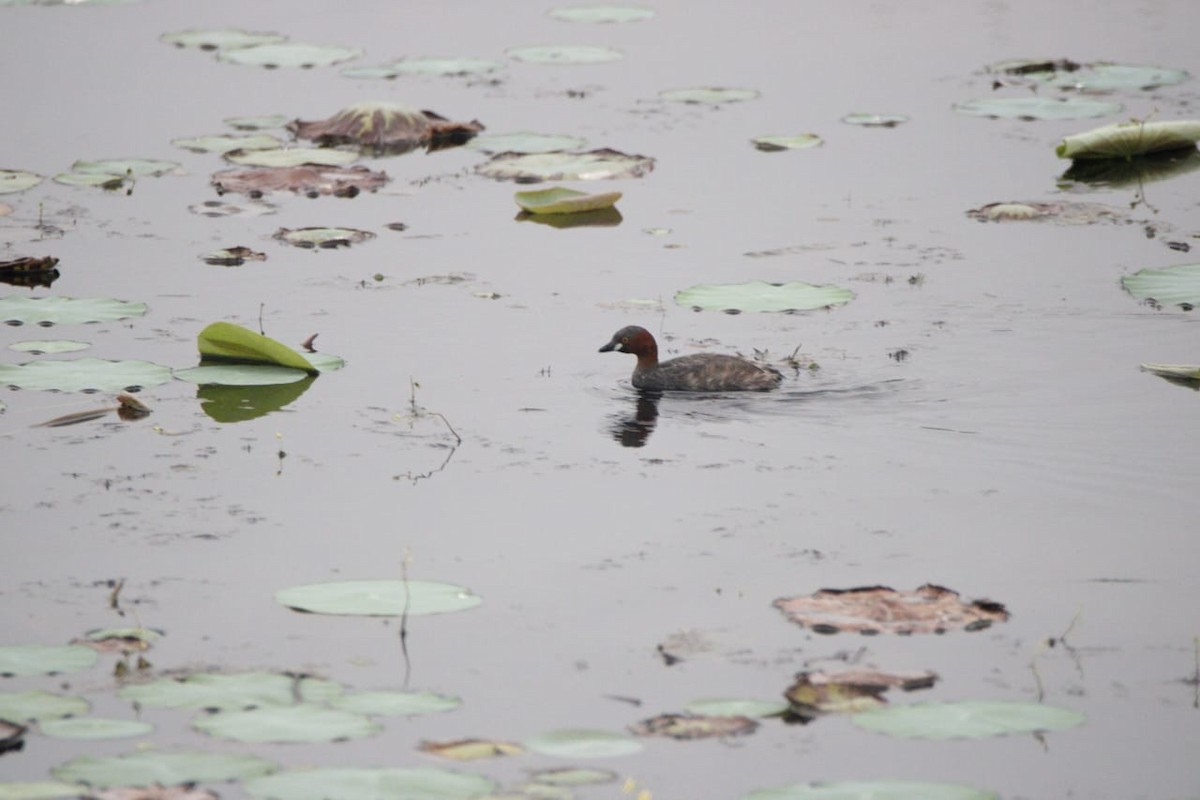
(1127, 139)
(601, 14)
(66, 310)
(233, 256)
(39, 659)
(593, 165)
(524, 142)
(561, 200)
(762, 296)
(234, 692)
(967, 720)
(85, 374)
(94, 728)
(303, 722)
(1168, 286)
(603, 218)
(38, 705)
(417, 783)
(1033, 108)
(583, 744)
(879, 609)
(165, 769)
(1137, 171)
(378, 598)
(226, 401)
(322, 238)
(222, 39)
(224, 143)
(872, 790)
(307, 180)
(565, 54)
(774, 144)
(224, 341)
(289, 55)
(396, 703)
(15, 180)
(708, 95)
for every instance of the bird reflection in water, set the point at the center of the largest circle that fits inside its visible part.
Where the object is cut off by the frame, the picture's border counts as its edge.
(633, 431)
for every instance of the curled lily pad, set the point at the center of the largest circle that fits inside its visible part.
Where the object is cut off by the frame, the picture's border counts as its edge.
(221, 39)
(874, 120)
(165, 769)
(94, 728)
(322, 238)
(16, 180)
(382, 126)
(396, 703)
(601, 14)
(84, 374)
(1180, 372)
(224, 341)
(708, 95)
(307, 180)
(593, 165)
(304, 722)
(1034, 108)
(66, 310)
(378, 598)
(879, 609)
(561, 200)
(1126, 139)
(224, 143)
(583, 744)
(565, 54)
(1178, 285)
(38, 705)
(293, 54)
(762, 296)
(524, 142)
(967, 720)
(370, 784)
(292, 157)
(470, 749)
(775, 144)
(873, 790)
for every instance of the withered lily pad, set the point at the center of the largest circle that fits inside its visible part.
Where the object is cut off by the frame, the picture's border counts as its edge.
(221, 39)
(164, 769)
(561, 200)
(381, 126)
(1060, 213)
(28, 266)
(776, 144)
(879, 609)
(601, 14)
(967, 720)
(292, 54)
(307, 180)
(66, 310)
(322, 238)
(1178, 285)
(1126, 139)
(762, 296)
(524, 142)
(120, 640)
(708, 95)
(233, 344)
(874, 120)
(816, 693)
(15, 180)
(1034, 108)
(693, 726)
(233, 256)
(593, 165)
(84, 375)
(471, 749)
(225, 143)
(565, 54)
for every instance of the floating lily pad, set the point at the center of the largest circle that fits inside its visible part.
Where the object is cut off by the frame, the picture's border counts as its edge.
(874, 120)
(444, 66)
(234, 692)
(775, 144)
(322, 238)
(873, 790)
(137, 167)
(246, 375)
(1179, 372)
(292, 157)
(84, 374)
(42, 347)
(1034, 108)
(967, 720)
(104, 181)
(525, 142)
(378, 598)
(164, 769)
(304, 722)
(573, 776)
(15, 180)
(257, 123)
(561, 200)
(221, 39)
(219, 208)
(1059, 213)
(94, 728)
(382, 126)
(1127, 139)
(470, 749)
(224, 143)
(583, 744)
(565, 54)
(38, 705)
(708, 95)
(1091, 78)
(601, 14)
(762, 296)
(307, 180)
(224, 341)
(420, 783)
(292, 54)
(233, 256)
(66, 310)
(694, 726)
(378, 72)
(40, 790)
(396, 703)
(737, 708)
(593, 165)
(1168, 286)
(879, 609)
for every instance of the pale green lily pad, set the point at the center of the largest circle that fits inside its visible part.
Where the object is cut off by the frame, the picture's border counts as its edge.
(594, 165)
(565, 54)
(221, 39)
(241, 375)
(165, 769)
(40, 659)
(1033, 108)
(561, 200)
(257, 123)
(84, 374)
(292, 157)
(573, 776)
(322, 238)
(762, 296)
(708, 95)
(296, 723)
(583, 744)
(42, 347)
(967, 720)
(38, 705)
(601, 14)
(775, 144)
(525, 142)
(444, 66)
(107, 181)
(17, 180)
(233, 692)
(873, 790)
(1180, 372)
(137, 167)
(737, 708)
(874, 120)
(419, 783)
(378, 598)
(40, 790)
(1092, 78)
(391, 704)
(94, 728)
(224, 143)
(1167, 286)
(382, 72)
(224, 341)
(1127, 139)
(66, 310)
(289, 55)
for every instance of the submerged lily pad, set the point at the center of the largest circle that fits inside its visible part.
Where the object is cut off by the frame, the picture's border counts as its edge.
(1168, 286)
(583, 744)
(84, 374)
(967, 720)
(304, 722)
(383, 126)
(224, 341)
(307, 180)
(94, 728)
(593, 165)
(524, 142)
(573, 776)
(874, 120)
(378, 598)
(879, 609)
(561, 200)
(775, 144)
(164, 769)
(418, 783)
(565, 54)
(1126, 139)
(234, 692)
(39, 659)
(38, 705)
(601, 14)
(873, 790)
(221, 39)
(225, 143)
(396, 703)
(322, 238)
(66, 310)
(1034, 108)
(293, 54)
(16, 180)
(762, 296)
(708, 95)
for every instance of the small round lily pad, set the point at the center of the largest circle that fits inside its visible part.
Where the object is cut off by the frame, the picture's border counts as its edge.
(322, 238)
(84, 374)
(232, 692)
(257, 123)
(66, 310)
(775, 144)
(874, 120)
(292, 157)
(304, 722)
(378, 598)
(525, 142)
(37, 705)
(220, 39)
(593, 165)
(444, 66)
(224, 143)
(16, 180)
(137, 167)
(762, 296)
(873, 790)
(565, 54)
(967, 720)
(1168, 286)
(396, 703)
(41, 347)
(370, 784)
(293, 54)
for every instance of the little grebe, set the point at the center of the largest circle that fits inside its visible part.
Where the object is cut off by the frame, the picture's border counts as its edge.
(701, 372)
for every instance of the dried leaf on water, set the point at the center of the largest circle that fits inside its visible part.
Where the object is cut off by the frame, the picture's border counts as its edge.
(471, 749)
(879, 609)
(694, 726)
(309, 180)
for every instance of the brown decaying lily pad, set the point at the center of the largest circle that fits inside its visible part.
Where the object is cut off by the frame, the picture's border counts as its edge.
(471, 749)
(12, 736)
(29, 266)
(308, 180)
(693, 726)
(386, 127)
(817, 693)
(880, 609)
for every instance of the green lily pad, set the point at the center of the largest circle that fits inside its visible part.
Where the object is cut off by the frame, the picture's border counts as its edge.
(419, 783)
(292, 54)
(94, 728)
(1127, 139)
(737, 708)
(565, 54)
(708, 95)
(583, 744)
(524, 142)
(165, 769)
(1091, 78)
(874, 120)
(106, 181)
(1034, 108)
(1179, 372)
(296, 723)
(378, 598)
(224, 143)
(573, 776)
(234, 692)
(762, 296)
(561, 200)
(775, 144)
(601, 14)
(221, 39)
(292, 157)
(84, 374)
(16, 180)
(224, 341)
(241, 375)
(38, 705)
(393, 704)
(40, 790)
(1168, 286)
(873, 790)
(137, 167)
(444, 66)
(322, 238)
(967, 720)
(257, 123)
(42, 347)
(590, 166)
